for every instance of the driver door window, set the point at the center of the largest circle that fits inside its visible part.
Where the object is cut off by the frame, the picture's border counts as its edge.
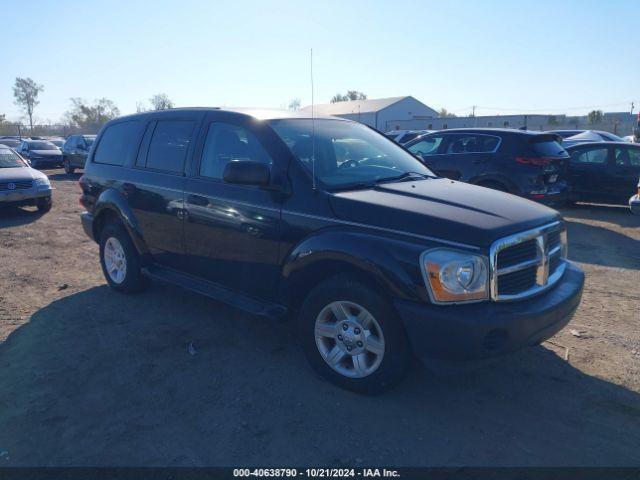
(225, 143)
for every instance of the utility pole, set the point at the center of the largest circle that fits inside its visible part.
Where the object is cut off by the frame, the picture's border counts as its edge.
(473, 111)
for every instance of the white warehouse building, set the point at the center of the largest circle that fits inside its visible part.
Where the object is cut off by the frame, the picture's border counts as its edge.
(383, 114)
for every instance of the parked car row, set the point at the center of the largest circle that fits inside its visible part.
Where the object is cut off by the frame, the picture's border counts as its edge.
(535, 165)
(327, 221)
(70, 153)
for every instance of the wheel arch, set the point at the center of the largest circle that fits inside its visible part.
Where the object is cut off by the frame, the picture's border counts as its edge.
(372, 260)
(111, 206)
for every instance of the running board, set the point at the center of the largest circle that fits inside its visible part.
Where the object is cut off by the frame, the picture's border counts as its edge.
(216, 292)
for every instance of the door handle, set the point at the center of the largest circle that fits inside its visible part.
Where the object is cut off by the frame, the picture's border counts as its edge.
(197, 200)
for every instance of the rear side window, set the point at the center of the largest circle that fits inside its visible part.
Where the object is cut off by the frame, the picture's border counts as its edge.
(118, 144)
(472, 144)
(169, 145)
(594, 156)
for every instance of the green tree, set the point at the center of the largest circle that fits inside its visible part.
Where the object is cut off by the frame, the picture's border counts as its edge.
(25, 92)
(594, 116)
(161, 101)
(444, 113)
(90, 117)
(350, 95)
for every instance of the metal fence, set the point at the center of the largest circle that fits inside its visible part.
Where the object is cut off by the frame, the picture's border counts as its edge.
(42, 130)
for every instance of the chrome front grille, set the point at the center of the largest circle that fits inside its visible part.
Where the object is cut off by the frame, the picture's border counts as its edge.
(527, 263)
(16, 185)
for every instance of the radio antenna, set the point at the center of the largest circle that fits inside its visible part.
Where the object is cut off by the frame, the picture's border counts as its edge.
(313, 132)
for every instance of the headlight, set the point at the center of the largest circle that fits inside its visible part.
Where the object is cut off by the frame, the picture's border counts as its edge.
(41, 182)
(454, 276)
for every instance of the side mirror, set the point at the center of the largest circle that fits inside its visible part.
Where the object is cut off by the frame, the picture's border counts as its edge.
(247, 172)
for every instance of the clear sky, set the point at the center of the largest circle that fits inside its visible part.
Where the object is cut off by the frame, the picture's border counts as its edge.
(513, 56)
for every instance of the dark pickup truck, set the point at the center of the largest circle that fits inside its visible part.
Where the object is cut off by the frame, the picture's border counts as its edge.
(326, 223)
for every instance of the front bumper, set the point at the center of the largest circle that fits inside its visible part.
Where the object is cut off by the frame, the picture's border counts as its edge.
(489, 329)
(634, 204)
(19, 196)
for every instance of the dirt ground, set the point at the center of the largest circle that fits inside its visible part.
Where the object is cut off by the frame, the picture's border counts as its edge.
(92, 377)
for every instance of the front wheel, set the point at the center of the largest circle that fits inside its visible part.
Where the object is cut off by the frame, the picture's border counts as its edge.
(44, 204)
(353, 337)
(120, 260)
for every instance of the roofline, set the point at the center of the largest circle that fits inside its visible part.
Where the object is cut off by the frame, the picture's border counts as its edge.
(263, 114)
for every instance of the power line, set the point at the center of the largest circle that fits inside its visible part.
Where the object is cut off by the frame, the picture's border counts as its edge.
(533, 110)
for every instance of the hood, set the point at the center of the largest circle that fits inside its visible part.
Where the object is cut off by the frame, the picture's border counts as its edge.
(442, 208)
(46, 153)
(20, 173)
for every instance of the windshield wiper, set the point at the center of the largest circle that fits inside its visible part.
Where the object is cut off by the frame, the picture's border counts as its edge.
(404, 176)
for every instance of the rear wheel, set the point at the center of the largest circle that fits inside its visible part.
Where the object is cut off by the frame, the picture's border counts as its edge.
(352, 336)
(121, 264)
(68, 169)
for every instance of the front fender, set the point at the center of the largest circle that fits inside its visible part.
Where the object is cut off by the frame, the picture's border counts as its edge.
(110, 202)
(390, 262)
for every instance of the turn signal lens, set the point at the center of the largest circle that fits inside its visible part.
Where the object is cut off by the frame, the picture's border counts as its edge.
(453, 276)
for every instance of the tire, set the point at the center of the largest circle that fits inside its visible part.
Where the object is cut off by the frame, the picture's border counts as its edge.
(68, 169)
(44, 204)
(350, 297)
(127, 276)
(501, 187)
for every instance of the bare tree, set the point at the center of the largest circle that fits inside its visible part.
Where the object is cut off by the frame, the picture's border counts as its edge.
(294, 105)
(140, 107)
(90, 117)
(594, 116)
(26, 91)
(161, 101)
(350, 95)
(444, 113)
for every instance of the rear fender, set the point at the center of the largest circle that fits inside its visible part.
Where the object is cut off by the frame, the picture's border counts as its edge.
(110, 202)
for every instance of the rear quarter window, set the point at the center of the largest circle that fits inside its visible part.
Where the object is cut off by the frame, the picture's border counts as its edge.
(119, 143)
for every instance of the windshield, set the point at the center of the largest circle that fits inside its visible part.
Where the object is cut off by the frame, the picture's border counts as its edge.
(611, 137)
(42, 146)
(8, 159)
(88, 139)
(346, 154)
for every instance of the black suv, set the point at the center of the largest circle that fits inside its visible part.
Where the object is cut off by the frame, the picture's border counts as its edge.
(525, 163)
(75, 151)
(329, 224)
